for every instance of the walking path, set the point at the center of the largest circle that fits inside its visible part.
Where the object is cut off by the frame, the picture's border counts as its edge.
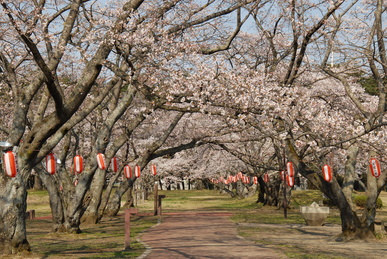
(200, 235)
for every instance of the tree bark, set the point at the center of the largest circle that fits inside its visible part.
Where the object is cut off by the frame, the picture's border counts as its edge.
(13, 197)
(349, 179)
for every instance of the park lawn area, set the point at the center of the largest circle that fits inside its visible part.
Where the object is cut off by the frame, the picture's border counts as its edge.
(106, 240)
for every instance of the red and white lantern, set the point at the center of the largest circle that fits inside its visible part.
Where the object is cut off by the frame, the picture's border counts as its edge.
(51, 163)
(137, 171)
(327, 173)
(266, 178)
(290, 168)
(10, 164)
(375, 167)
(78, 164)
(114, 164)
(255, 180)
(153, 170)
(290, 180)
(128, 172)
(101, 161)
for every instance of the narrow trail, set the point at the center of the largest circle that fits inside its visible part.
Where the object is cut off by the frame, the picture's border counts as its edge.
(200, 235)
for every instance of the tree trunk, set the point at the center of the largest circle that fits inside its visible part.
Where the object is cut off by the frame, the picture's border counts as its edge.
(56, 202)
(91, 214)
(349, 179)
(13, 197)
(114, 204)
(38, 185)
(106, 197)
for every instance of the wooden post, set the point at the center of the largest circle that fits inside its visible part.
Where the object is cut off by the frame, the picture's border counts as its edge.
(128, 212)
(159, 204)
(156, 198)
(285, 202)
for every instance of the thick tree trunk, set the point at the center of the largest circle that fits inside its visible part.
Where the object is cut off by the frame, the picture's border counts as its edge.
(76, 201)
(349, 179)
(106, 197)
(13, 197)
(91, 215)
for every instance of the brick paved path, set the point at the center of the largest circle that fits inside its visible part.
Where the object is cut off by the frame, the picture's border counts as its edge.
(200, 235)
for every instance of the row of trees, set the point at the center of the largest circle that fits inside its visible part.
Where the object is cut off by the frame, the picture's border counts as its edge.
(264, 81)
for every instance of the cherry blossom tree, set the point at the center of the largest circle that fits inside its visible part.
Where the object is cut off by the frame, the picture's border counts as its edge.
(68, 47)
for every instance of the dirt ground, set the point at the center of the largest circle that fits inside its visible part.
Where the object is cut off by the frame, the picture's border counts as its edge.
(298, 240)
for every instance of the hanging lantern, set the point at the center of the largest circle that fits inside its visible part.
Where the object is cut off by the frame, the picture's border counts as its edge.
(128, 172)
(290, 180)
(137, 171)
(327, 173)
(255, 180)
(375, 167)
(266, 178)
(239, 176)
(101, 161)
(78, 164)
(51, 163)
(153, 170)
(290, 168)
(10, 164)
(114, 164)
(282, 173)
(246, 179)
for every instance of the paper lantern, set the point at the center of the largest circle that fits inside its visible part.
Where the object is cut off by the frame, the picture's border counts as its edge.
(290, 180)
(246, 179)
(153, 169)
(128, 172)
(327, 173)
(78, 164)
(114, 164)
(375, 167)
(137, 171)
(101, 161)
(255, 180)
(51, 163)
(290, 168)
(266, 178)
(10, 164)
